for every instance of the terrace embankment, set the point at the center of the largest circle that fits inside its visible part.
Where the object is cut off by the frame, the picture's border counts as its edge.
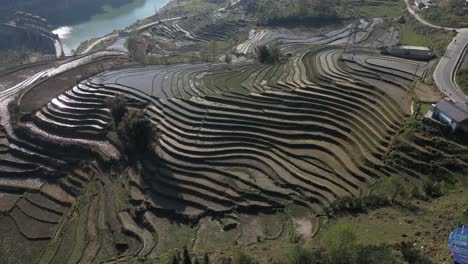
(243, 152)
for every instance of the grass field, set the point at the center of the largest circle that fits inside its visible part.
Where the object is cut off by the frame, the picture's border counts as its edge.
(444, 17)
(428, 227)
(415, 34)
(379, 8)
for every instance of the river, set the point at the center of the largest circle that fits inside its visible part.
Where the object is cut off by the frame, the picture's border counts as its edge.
(106, 21)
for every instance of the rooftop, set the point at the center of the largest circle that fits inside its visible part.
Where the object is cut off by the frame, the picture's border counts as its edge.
(415, 48)
(457, 111)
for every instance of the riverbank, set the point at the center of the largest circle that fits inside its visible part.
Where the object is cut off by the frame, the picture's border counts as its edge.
(166, 13)
(105, 22)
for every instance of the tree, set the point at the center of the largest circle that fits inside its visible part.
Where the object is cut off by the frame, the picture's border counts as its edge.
(395, 187)
(228, 59)
(117, 106)
(340, 245)
(268, 54)
(136, 131)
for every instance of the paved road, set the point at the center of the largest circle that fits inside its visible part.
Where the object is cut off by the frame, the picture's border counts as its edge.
(444, 74)
(142, 27)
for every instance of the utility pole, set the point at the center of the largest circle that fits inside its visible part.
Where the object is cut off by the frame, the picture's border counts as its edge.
(354, 29)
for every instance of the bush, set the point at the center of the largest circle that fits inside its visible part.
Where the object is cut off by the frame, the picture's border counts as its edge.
(136, 131)
(412, 254)
(340, 245)
(300, 255)
(268, 54)
(242, 258)
(432, 189)
(356, 205)
(375, 255)
(118, 108)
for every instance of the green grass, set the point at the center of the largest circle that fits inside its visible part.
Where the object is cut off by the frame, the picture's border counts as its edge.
(416, 34)
(425, 107)
(198, 6)
(378, 8)
(462, 80)
(444, 17)
(409, 36)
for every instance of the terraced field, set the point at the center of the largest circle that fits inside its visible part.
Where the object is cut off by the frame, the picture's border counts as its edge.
(240, 147)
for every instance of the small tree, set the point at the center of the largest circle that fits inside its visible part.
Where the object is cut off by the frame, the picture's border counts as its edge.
(340, 244)
(228, 59)
(117, 106)
(268, 54)
(136, 131)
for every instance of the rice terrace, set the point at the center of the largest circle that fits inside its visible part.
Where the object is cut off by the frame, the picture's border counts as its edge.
(241, 131)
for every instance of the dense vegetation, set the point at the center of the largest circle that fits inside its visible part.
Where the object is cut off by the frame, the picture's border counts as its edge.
(462, 80)
(449, 13)
(281, 12)
(338, 246)
(417, 34)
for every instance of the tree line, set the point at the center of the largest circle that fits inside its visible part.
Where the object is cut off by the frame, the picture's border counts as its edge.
(291, 11)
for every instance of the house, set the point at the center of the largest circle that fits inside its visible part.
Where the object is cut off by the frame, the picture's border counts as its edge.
(409, 52)
(452, 114)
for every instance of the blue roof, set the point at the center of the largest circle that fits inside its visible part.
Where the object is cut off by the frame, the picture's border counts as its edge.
(458, 242)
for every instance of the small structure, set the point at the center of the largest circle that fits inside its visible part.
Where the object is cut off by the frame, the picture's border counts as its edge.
(451, 114)
(409, 52)
(458, 243)
(124, 34)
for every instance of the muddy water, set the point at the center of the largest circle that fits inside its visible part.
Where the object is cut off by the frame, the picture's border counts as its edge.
(106, 21)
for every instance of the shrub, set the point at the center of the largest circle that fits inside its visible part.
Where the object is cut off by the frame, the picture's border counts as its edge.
(412, 254)
(228, 58)
(375, 255)
(432, 189)
(356, 205)
(300, 255)
(117, 106)
(242, 258)
(340, 245)
(136, 131)
(268, 54)
(392, 188)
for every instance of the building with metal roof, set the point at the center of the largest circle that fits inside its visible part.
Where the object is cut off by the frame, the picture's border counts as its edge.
(409, 52)
(452, 114)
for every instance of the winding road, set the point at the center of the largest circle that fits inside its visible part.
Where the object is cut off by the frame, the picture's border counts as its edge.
(444, 74)
(142, 27)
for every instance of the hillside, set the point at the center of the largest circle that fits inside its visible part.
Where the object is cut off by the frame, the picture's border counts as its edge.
(233, 135)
